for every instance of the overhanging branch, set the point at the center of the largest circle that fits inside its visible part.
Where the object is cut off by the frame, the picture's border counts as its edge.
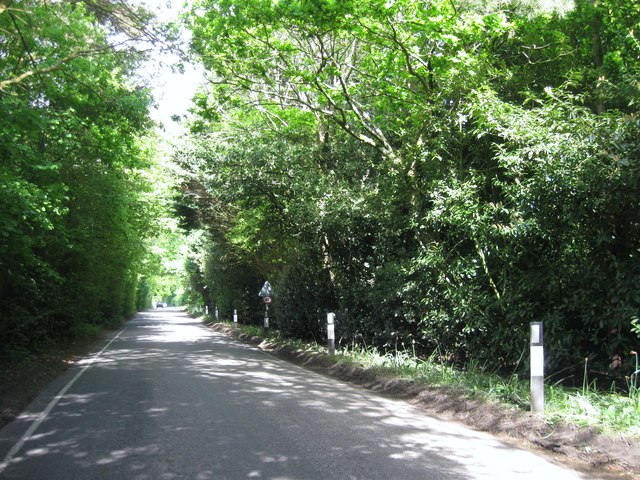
(52, 68)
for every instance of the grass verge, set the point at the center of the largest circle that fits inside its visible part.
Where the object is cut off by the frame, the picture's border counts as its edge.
(608, 412)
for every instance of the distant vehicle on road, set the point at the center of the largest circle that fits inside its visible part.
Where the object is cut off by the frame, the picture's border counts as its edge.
(161, 305)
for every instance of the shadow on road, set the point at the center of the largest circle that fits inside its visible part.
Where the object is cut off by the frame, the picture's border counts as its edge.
(172, 399)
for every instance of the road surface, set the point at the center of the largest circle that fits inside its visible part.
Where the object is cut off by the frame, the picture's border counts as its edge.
(167, 398)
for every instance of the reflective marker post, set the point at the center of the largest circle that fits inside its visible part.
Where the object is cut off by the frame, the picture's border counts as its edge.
(235, 318)
(537, 368)
(331, 335)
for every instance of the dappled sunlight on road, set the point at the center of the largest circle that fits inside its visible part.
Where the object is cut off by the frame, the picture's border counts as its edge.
(180, 329)
(169, 389)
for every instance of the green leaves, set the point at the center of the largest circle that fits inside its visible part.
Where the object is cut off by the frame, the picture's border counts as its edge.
(371, 68)
(72, 205)
(446, 171)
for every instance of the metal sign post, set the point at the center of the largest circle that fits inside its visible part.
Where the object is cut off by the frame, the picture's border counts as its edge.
(265, 292)
(266, 318)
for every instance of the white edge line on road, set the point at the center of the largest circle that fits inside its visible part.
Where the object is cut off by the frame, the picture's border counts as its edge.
(45, 413)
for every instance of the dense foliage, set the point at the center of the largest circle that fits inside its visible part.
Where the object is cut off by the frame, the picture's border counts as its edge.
(439, 172)
(73, 211)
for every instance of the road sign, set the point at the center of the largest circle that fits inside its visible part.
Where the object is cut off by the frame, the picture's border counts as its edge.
(266, 290)
(267, 299)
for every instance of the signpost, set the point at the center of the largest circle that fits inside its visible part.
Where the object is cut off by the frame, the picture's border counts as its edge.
(266, 292)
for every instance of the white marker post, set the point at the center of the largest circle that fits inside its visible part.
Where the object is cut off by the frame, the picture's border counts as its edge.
(331, 335)
(537, 368)
(235, 318)
(206, 310)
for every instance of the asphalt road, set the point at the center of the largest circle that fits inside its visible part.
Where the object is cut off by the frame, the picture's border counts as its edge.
(167, 398)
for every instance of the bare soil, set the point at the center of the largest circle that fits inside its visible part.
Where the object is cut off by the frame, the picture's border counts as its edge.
(582, 449)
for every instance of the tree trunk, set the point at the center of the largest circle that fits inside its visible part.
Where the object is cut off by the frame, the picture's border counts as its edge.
(323, 130)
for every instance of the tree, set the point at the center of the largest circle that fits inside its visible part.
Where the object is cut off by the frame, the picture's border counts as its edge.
(466, 171)
(72, 205)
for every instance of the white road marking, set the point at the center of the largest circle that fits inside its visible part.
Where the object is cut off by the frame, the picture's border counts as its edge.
(45, 413)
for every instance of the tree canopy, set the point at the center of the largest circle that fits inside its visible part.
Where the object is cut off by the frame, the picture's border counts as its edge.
(441, 172)
(73, 211)
(436, 172)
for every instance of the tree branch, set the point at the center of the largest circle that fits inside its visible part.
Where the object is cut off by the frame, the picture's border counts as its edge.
(57, 66)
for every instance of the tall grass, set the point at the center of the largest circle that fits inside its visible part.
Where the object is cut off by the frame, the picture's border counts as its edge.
(609, 411)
